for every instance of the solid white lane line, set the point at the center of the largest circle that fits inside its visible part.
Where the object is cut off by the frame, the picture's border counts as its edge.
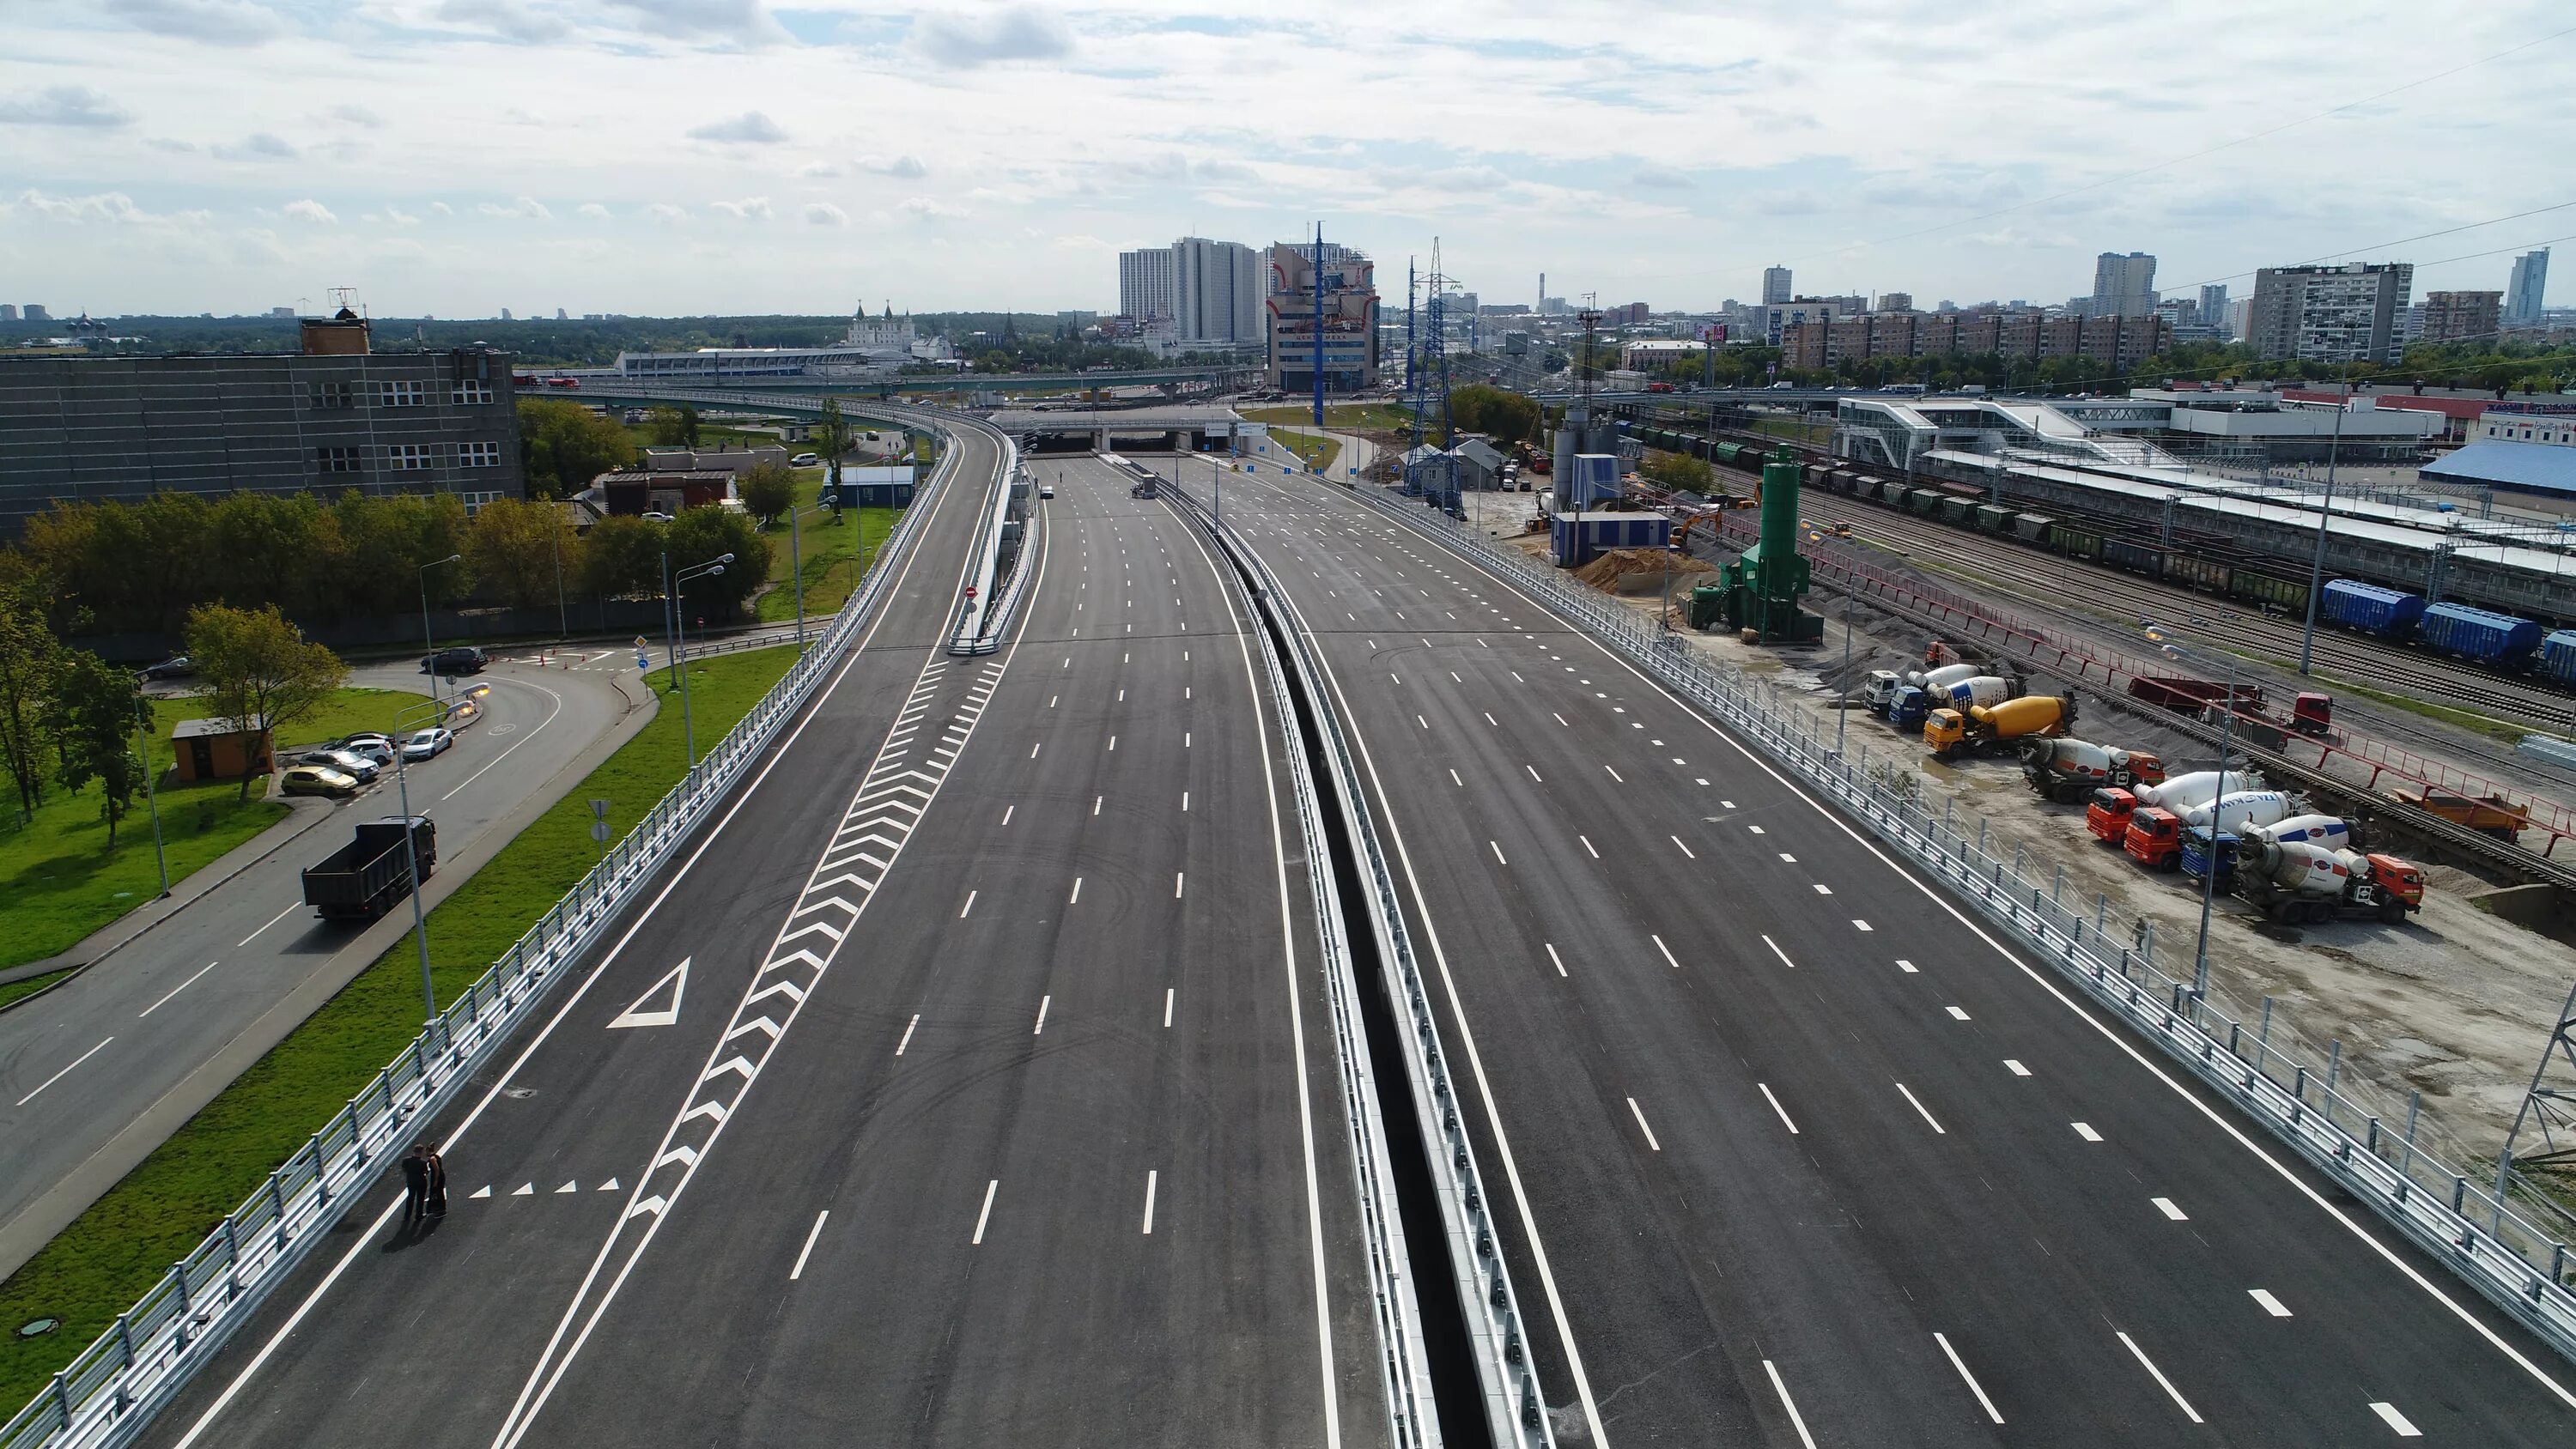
(2270, 1304)
(1776, 951)
(811, 1234)
(58, 1076)
(2016, 1068)
(273, 920)
(1614, 774)
(1178, 876)
(1533, 773)
(1686, 850)
(1095, 803)
(1795, 1422)
(2166, 1206)
(1150, 1178)
(175, 990)
(1113, 742)
(1556, 960)
(1077, 891)
(2388, 1414)
(2085, 1131)
(970, 905)
(1167, 1006)
(1033, 749)
(1185, 802)
(1958, 1014)
(1043, 1003)
(1918, 1106)
(1587, 846)
(908, 1030)
(1667, 950)
(1776, 1107)
(986, 1215)
(2149, 1365)
(1498, 853)
(1974, 1387)
(1453, 778)
(1641, 1125)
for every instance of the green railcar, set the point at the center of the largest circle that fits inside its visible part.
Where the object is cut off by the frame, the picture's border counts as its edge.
(1925, 501)
(2272, 590)
(1956, 511)
(1993, 518)
(2032, 527)
(2076, 540)
(2196, 571)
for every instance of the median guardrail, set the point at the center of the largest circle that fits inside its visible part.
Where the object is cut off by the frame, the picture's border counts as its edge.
(1515, 1410)
(112, 1388)
(2302, 1096)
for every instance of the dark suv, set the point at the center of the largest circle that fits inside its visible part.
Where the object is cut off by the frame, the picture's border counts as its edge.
(463, 659)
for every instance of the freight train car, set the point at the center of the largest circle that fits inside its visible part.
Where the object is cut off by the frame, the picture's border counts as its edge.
(2388, 613)
(2499, 641)
(2558, 658)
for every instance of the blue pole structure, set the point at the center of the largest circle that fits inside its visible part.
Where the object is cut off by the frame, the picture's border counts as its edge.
(1412, 381)
(1319, 326)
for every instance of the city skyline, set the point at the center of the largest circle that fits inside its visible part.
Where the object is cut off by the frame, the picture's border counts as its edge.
(397, 149)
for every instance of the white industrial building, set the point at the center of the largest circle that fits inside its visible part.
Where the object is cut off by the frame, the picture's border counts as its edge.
(873, 347)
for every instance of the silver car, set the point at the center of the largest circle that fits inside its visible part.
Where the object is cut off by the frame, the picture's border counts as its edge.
(348, 762)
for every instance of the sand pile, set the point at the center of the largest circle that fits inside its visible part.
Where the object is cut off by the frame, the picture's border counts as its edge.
(1642, 570)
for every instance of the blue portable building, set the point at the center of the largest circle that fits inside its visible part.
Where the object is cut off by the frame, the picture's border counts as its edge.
(2558, 658)
(2388, 613)
(2483, 635)
(1594, 481)
(1578, 538)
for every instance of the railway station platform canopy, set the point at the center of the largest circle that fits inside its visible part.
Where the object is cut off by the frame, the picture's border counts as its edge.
(2547, 469)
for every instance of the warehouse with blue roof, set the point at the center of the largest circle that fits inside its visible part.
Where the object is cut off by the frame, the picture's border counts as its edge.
(2542, 469)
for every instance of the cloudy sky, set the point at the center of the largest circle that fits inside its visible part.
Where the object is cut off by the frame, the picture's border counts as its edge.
(452, 157)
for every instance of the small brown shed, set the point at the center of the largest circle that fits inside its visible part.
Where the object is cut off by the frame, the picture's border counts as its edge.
(222, 749)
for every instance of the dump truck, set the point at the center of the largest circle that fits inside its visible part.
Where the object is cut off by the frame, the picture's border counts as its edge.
(2242, 809)
(362, 879)
(2293, 881)
(2487, 814)
(2068, 770)
(1951, 732)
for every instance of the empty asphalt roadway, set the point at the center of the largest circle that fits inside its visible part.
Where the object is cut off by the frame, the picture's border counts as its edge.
(969, 1083)
(1800, 1156)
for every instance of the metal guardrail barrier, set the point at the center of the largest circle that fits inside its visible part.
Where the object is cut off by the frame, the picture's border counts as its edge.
(1411, 1415)
(112, 1388)
(976, 628)
(2300, 1095)
(1515, 1411)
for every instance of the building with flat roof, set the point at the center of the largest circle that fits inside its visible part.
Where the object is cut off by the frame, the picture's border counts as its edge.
(332, 418)
(2461, 316)
(1347, 318)
(873, 347)
(1775, 286)
(2348, 313)
(2523, 287)
(2123, 286)
(1217, 291)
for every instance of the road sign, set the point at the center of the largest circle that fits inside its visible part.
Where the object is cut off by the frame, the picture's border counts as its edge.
(598, 809)
(599, 831)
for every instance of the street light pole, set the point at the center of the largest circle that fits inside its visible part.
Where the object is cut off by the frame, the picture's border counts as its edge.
(427, 643)
(2217, 816)
(1843, 715)
(796, 564)
(680, 649)
(2325, 513)
(411, 857)
(151, 800)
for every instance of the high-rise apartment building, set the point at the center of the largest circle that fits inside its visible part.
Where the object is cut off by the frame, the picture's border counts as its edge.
(1347, 318)
(1895, 302)
(2522, 291)
(8, 311)
(1217, 290)
(2349, 313)
(2213, 305)
(2123, 286)
(35, 312)
(1775, 286)
(1147, 286)
(2461, 316)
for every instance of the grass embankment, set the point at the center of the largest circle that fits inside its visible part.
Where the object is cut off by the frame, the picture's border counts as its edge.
(60, 880)
(19, 990)
(126, 1240)
(831, 554)
(1311, 451)
(1336, 415)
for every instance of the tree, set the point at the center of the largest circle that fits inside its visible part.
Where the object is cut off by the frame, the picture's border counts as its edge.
(1478, 408)
(567, 445)
(1679, 471)
(668, 425)
(522, 552)
(832, 438)
(622, 558)
(257, 670)
(704, 533)
(30, 664)
(94, 717)
(768, 490)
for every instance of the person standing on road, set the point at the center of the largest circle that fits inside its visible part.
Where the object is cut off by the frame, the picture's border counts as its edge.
(436, 1205)
(415, 1171)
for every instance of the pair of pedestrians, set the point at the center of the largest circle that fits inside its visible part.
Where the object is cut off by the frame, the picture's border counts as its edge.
(424, 1186)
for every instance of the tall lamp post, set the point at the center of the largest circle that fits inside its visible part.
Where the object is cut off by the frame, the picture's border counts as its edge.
(428, 643)
(2162, 639)
(796, 563)
(2325, 513)
(405, 720)
(151, 800)
(680, 652)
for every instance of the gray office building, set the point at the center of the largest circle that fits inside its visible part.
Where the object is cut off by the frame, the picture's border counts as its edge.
(2355, 312)
(333, 417)
(2522, 292)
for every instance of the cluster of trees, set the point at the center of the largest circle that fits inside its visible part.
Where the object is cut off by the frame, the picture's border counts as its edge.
(1678, 470)
(565, 445)
(115, 567)
(1506, 416)
(70, 719)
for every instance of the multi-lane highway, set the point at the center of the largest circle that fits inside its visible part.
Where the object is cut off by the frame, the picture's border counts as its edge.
(968, 1081)
(99, 1071)
(1798, 1153)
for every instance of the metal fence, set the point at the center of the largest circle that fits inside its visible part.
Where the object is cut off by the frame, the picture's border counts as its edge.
(2302, 1095)
(1515, 1410)
(112, 1388)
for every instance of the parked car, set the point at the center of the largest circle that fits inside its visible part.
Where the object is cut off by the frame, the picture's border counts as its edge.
(428, 744)
(804, 460)
(317, 780)
(348, 762)
(177, 666)
(463, 659)
(1046, 490)
(374, 749)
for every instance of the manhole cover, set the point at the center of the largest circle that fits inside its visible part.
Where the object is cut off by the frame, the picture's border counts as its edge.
(37, 1328)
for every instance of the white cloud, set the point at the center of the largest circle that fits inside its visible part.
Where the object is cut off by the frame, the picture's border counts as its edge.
(77, 106)
(755, 208)
(219, 22)
(400, 217)
(910, 168)
(113, 208)
(665, 214)
(509, 19)
(257, 146)
(355, 115)
(744, 22)
(824, 213)
(819, 168)
(1002, 33)
(922, 208)
(751, 127)
(527, 207)
(311, 212)
(442, 208)
(592, 211)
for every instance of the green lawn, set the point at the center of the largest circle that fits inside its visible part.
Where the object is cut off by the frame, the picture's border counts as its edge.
(62, 882)
(1336, 415)
(18, 990)
(831, 555)
(1313, 451)
(129, 1237)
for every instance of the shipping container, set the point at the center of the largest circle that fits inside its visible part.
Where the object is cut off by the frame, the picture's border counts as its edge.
(2388, 613)
(2558, 658)
(2500, 640)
